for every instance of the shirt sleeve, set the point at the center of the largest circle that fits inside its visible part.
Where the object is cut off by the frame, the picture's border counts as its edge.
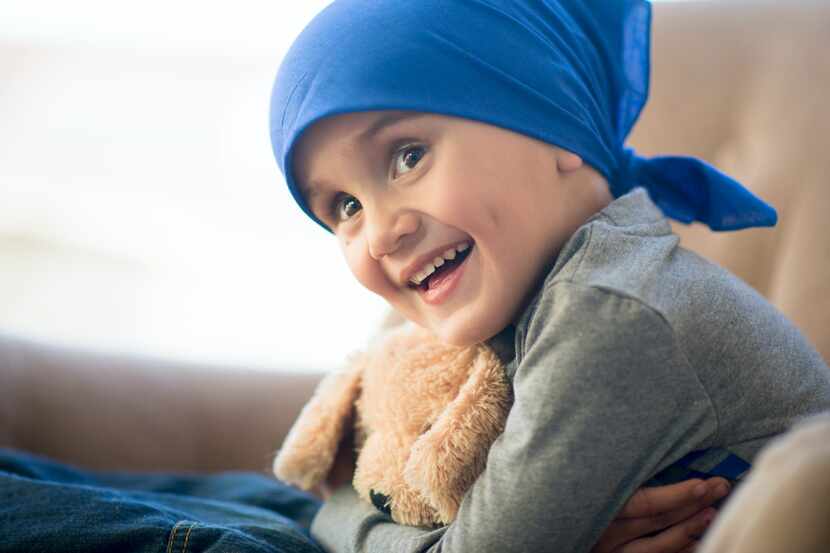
(603, 400)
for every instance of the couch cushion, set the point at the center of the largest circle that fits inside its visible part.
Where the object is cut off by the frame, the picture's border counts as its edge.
(744, 86)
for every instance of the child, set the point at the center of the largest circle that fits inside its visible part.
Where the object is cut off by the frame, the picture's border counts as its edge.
(468, 157)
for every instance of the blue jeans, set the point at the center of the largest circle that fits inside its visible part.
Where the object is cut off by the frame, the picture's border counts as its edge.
(47, 506)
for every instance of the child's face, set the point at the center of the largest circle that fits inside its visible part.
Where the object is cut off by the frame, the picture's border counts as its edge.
(426, 183)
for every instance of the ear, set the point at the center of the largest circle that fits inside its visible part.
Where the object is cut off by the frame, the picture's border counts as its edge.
(307, 455)
(567, 161)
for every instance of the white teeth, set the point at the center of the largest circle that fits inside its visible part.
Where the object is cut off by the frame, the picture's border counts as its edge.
(430, 267)
(419, 278)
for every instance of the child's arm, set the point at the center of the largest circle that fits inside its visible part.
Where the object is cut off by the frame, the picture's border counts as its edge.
(604, 399)
(679, 512)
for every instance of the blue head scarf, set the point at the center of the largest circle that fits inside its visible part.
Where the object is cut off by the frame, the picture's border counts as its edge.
(573, 73)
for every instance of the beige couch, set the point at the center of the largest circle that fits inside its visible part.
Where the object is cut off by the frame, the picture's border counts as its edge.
(740, 84)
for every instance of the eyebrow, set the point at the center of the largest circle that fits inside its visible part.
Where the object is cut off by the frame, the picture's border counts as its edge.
(387, 120)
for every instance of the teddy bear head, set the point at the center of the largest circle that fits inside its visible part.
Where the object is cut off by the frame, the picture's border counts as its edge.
(422, 414)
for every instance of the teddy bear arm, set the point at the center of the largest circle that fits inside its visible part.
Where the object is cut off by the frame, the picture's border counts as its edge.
(307, 455)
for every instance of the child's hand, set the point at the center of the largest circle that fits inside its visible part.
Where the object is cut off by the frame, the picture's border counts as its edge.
(681, 513)
(342, 470)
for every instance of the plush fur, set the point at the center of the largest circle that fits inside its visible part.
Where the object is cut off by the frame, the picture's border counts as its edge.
(424, 415)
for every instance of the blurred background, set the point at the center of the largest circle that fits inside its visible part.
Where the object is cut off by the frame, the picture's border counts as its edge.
(141, 209)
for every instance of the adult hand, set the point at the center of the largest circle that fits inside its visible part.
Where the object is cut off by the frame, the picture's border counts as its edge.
(679, 512)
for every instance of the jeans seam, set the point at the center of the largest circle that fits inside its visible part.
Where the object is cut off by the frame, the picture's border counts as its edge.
(187, 537)
(172, 538)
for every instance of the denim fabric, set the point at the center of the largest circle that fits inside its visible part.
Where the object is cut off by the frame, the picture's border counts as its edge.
(47, 506)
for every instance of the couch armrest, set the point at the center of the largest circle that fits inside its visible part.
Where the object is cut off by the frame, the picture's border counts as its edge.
(115, 411)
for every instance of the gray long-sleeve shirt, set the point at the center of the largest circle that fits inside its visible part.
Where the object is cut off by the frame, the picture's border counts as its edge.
(634, 353)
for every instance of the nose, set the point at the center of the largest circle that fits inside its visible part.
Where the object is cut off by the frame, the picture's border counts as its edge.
(380, 501)
(386, 230)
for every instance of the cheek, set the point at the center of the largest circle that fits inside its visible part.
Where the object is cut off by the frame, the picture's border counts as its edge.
(365, 269)
(474, 194)
(458, 198)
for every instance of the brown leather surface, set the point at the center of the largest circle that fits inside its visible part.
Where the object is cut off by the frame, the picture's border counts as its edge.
(103, 410)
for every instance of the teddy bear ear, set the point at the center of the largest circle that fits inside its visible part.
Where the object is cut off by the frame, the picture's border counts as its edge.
(307, 455)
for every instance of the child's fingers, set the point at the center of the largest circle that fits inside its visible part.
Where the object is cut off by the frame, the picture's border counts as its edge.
(676, 507)
(676, 539)
(639, 533)
(651, 501)
(685, 503)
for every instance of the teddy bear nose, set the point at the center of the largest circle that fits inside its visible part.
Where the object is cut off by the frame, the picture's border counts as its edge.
(379, 500)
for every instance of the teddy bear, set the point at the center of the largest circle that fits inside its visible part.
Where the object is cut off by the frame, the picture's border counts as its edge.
(423, 415)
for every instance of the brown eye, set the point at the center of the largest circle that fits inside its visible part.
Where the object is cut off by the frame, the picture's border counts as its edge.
(407, 159)
(344, 207)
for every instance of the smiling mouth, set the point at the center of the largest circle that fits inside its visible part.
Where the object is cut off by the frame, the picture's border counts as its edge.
(444, 269)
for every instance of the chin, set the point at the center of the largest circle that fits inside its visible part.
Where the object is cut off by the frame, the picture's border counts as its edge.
(463, 334)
